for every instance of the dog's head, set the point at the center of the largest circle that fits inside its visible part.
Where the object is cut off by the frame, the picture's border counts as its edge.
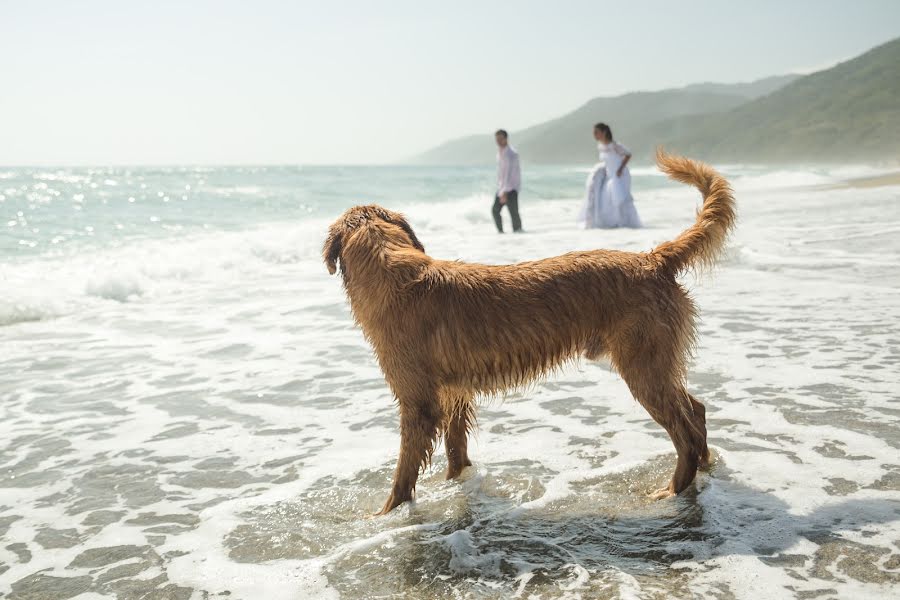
(391, 225)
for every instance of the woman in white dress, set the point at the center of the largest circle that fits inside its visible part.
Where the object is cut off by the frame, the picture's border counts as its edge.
(609, 202)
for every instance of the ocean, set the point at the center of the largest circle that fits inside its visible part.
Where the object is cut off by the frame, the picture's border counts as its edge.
(187, 410)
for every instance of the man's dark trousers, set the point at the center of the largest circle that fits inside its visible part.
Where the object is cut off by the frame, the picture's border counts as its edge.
(512, 203)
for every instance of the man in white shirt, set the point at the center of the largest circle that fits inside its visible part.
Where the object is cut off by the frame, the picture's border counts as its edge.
(509, 180)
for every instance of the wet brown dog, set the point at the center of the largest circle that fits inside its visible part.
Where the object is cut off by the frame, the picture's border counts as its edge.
(442, 333)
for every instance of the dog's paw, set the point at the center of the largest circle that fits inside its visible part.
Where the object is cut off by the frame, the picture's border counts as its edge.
(393, 502)
(384, 511)
(661, 494)
(456, 473)
(707, 462)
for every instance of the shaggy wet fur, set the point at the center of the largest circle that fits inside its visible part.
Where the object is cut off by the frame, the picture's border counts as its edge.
(443, 331)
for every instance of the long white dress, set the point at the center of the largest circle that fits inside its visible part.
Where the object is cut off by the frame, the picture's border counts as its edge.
(608, 202)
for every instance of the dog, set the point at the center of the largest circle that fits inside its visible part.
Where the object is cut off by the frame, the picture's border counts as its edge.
(443, 333)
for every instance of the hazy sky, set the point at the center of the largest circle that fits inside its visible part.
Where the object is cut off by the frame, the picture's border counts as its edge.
(127, 82)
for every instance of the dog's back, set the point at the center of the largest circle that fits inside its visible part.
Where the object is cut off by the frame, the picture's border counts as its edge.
(492, 328)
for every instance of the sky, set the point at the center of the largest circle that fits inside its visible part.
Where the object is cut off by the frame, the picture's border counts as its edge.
(349, 82)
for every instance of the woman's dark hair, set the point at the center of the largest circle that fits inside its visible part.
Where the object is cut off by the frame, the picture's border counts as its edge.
(502, 132)
(605, 129)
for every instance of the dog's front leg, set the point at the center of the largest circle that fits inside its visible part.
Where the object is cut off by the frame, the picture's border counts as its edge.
(419, 423)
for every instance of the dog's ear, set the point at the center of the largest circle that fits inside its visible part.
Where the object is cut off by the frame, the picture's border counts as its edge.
(331, 250)
(398, 220)
(405, 226)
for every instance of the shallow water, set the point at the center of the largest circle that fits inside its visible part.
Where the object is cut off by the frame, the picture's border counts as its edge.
(187, 411)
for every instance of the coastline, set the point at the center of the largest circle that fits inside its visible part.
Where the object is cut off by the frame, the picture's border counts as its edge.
(886, 179)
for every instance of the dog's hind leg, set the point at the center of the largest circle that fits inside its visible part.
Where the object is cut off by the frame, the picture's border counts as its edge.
(649, 373)
(420, 422)
(700, 418)
(456, 437)
(671, 408)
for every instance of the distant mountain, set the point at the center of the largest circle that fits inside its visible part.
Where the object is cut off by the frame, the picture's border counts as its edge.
(568, 139)
(751, 90)
(850, 112)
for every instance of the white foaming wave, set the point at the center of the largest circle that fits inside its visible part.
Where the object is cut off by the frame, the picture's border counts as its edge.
(145, 270)
(461, 214)
(643, 171)
(23, 307)
(781, 179)
(46, 287)
(855, 171)
(450, 214)
(765, 177)
(122, 286)
(758, 178)
(582, 170)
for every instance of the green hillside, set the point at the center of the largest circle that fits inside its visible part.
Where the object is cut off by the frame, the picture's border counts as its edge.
(848, 112)
(568, 139)
(750, 90)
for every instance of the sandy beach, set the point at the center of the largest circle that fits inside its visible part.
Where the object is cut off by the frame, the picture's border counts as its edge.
(888, 179)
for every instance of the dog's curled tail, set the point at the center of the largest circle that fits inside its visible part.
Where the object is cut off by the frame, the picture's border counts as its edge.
(700, 244)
